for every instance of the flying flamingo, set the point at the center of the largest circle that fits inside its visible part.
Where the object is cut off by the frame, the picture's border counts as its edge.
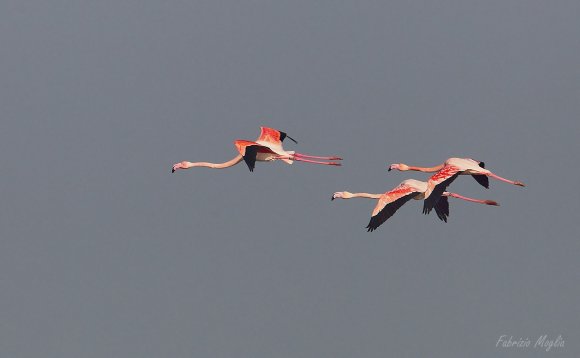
(392, 200)
(267, 147)
(447, 173)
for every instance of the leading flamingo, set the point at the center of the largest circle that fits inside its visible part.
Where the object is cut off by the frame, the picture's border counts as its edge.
(391, 201)
(447, 173)
(268, 147)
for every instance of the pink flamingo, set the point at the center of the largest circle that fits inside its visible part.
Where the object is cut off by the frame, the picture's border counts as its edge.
(447, 173)
(268, 147)
(391, 201)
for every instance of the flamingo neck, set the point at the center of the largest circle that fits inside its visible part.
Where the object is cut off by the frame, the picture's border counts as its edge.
(365, 195)
(427, 169)
(227, 164)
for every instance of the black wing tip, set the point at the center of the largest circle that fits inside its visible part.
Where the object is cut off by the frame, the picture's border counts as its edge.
(284, 135)
(442, 208)
(441, 216)
(373, 224)
(250, 156)
(483, 180)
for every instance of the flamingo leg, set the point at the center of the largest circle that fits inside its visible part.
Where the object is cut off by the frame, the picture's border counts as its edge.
(298, 159)
(486, 202)
(316, 157)
(514, 182)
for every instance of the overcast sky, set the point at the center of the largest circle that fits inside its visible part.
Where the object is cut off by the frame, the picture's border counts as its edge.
(105, 253)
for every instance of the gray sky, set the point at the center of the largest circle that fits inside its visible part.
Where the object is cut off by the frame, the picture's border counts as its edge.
(105, 253)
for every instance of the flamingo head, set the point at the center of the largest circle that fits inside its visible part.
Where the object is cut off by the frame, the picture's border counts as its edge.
(180, 165)
(399, 166)
(341, 195)
(491, 202)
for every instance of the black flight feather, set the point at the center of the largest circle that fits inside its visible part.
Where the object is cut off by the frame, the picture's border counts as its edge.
(284, 135)
(388, 211)
(429, 203)
(442, 208)
(482, 179)
(250, 156)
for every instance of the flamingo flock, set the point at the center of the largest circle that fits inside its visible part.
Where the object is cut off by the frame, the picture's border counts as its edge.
(433, 192)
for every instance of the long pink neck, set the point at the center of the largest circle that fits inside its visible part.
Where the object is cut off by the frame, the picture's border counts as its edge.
(365, 195)
(227, 164)
(427, 169)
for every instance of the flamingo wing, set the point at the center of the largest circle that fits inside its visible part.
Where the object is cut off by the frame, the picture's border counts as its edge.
(483, 180)
(284, 135)
(441, 181)
(249, 151)
(250, 156)
(273, 136)
(389, 203)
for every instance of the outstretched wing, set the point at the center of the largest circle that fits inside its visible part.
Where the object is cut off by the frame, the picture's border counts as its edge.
(389, 203)
(249, 151)
(273, 136)
(440, 181)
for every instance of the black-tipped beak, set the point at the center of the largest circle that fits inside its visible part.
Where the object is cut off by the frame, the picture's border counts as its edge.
(332, 198)
(389, 169)
(173, 170)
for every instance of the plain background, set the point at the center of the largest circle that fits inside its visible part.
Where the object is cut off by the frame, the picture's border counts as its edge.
(105, 253)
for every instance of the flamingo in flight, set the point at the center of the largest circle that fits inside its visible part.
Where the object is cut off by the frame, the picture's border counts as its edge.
(268, 147)
(391, 201)
(447, 172)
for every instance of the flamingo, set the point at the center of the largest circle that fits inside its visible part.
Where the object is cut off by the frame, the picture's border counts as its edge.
(447, 172)
(268, 147)
(391, 201)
